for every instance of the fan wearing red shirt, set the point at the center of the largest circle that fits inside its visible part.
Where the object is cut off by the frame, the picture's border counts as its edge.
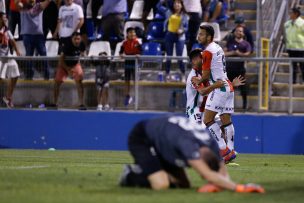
(130, 46)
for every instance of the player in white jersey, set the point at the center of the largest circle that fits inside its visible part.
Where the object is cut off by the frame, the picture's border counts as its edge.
(196, 95)
(220, 101)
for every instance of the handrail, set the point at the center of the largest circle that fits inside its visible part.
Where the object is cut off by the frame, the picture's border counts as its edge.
(278, 21)
(235, 59)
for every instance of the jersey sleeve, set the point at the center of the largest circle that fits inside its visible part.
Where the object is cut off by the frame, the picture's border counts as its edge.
(189, 149)
(207, 58)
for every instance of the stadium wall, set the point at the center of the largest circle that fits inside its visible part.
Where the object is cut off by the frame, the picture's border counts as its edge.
(91, 130)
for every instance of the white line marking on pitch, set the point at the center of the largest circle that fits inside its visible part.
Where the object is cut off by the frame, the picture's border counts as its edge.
(22, 167)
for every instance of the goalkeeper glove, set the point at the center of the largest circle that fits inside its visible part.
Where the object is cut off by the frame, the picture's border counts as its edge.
(249, 188)
(209, 188)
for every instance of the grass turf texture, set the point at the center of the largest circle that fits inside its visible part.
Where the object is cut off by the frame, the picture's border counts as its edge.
(91, 176)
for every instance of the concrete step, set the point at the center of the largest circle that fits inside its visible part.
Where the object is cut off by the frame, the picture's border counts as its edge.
(281, 104)
(247, 14)
(252, 67)
(282, 89)
(281, 77)
(277, 104)
(283, 67)
(251, 24)
(246, 5)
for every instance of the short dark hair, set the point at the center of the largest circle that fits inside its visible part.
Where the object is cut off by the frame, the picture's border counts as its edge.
(76, 34)
(103, 54)
(209, 30)
(210, 158)
(194, 53)
(129, 29)
(296, 10)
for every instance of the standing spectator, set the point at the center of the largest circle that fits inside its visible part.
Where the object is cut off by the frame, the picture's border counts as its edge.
(294, 39)
(214, 11)
(113, 20)
(70, 20)
(14, 17)
(102, 82)
(194, 9)
(238, 47)
(32, 33)
(73, 48)
(130, 46)
(247, 32)
(176, 24)
(8, 68)
(50, 17)
(148, 5)
(93, 20)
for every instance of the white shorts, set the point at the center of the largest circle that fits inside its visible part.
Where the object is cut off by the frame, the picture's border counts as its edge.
(194, 114)
(9, 69)
(220, 102)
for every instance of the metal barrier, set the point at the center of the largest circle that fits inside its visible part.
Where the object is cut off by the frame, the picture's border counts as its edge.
(150, 91)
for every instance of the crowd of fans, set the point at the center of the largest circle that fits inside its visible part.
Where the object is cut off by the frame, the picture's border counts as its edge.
(105, 20)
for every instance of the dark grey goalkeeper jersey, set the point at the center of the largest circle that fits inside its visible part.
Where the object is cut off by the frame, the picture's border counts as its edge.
(179, 143)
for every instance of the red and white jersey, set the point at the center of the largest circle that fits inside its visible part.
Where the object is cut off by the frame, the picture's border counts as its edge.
(214, 60)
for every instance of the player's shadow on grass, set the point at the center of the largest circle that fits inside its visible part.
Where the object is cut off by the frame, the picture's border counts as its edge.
(284, 187)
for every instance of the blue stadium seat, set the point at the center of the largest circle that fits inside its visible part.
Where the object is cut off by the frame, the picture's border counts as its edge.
(156, 31)
(151, 48)
(197, 46)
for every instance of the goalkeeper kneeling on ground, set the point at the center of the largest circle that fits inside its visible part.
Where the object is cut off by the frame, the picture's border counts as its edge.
(163, 147)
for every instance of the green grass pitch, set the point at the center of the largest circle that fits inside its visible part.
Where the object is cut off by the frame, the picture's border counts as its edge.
(91, 177)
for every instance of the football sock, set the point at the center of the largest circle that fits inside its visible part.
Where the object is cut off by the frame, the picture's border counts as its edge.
(215, 131)
(229, 132)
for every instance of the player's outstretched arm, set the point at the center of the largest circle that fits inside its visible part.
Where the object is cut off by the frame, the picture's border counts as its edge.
(238, 81)
(211, 176)
(217, 181)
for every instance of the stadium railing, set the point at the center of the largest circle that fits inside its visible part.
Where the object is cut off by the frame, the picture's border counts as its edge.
(150, 90)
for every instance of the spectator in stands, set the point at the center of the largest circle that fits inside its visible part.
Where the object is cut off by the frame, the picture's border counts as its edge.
(113, 20)
(294, 39)
(32, 33)
(14, 17)
(93, 20)
(102, 82)
(238, 47)
(193, 9)
(70, 20)
(8, 68)
(50, 17)
(67, 66)
(148, 5)
(214, 11)
(131, 46)
(176, 25)
(247, 32)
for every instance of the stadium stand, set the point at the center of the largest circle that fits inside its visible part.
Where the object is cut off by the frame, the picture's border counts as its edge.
(137, 11)
(52, 47)
(99, 46)
(156, 31)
